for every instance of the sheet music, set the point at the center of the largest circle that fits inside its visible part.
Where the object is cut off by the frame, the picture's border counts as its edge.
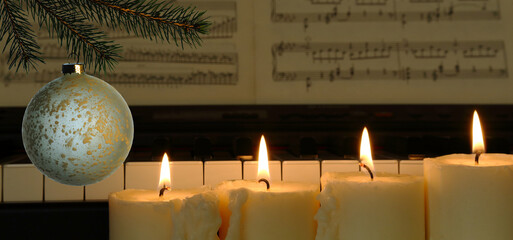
(218, 72)
(312, 52)
(383, 51)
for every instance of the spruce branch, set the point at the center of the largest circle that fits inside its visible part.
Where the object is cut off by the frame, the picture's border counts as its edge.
(81, 38)
(149, 19)
(23, 50)
(70, 22)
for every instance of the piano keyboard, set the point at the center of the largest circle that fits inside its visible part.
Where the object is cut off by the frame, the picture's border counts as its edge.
(24, 183)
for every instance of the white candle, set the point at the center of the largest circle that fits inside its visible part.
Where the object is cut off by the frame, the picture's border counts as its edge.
(470, 196)
(355, 206)
(251, 211)
(469, 201)
(177, 214)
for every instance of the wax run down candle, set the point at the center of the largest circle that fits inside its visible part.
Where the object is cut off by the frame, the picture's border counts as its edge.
(470, 196)
(355, 206)
(251, 211)
(177, 214)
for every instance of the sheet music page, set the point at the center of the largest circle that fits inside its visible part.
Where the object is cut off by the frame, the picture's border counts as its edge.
(221, 71)
(383, 51)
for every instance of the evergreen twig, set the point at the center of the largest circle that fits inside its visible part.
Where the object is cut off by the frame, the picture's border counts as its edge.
(23, 50)
(149, 19)
(69, 21)
(81, 38)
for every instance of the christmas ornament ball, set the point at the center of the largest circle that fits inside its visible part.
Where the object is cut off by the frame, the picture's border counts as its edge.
(77, 129)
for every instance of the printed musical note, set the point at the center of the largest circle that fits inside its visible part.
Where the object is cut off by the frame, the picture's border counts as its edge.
(386, 10)
(177, 56)
(143, 53)
(371, 2)
(127, 78)
(413, 60)
(407, 74)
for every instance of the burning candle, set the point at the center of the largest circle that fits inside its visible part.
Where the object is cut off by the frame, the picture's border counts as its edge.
(161, 214)
(254, 210)
(470, 196)
(370, 206)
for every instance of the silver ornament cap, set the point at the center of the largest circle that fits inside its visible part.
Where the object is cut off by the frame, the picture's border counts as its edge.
(69, 68)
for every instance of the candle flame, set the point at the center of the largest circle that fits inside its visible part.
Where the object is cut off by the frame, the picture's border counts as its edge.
(263, 161)
(477, 135)
(365, 150)
(165, 175)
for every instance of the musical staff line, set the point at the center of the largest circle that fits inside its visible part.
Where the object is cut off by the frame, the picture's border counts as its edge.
(383, 49)
(385, 74)
(152, 54)
(371, 2)
(381, 61)
(222, 27)
(387, 11)
(159, 55)
(136, 79)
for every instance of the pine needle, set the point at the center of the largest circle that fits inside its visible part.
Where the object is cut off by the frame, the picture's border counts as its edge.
(70, 22)
(23, 49)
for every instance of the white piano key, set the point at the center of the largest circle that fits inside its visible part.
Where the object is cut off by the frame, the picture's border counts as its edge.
(251, 170)
(142, 175)
(387, 166)
(22, 183)
(55, 191)
(340, 166)
(186, 174)
(101, 190)
(301, 171)
(219, 171)
(412, 167)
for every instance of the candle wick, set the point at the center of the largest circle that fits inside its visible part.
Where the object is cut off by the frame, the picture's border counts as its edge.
(266, 182)
(161, 193)
(368, 170)
(478, 154)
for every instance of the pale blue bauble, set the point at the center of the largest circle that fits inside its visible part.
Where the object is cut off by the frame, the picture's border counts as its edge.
(77, 129)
